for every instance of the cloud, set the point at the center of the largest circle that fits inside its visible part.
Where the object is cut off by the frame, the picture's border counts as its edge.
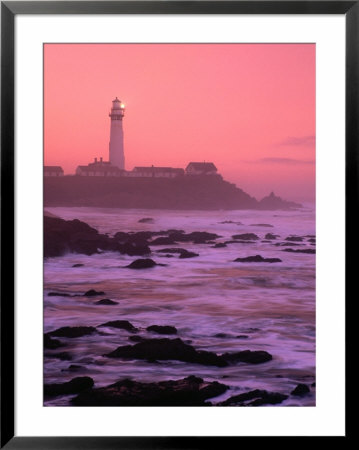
(288, 161)
(298, 141)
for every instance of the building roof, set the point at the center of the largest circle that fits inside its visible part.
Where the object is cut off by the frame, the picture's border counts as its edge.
(152, 169)
(100, 164)
(53, 169)
(100, 168)
(203, 166)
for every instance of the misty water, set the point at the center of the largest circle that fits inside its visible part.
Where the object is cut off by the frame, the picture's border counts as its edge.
(254, 306)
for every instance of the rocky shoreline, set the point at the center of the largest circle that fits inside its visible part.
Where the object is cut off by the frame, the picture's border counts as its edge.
(189, 391)
(158, 343)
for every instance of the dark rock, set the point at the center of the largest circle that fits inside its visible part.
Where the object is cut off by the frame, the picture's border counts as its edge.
(248, 356)
(74, 367)
(270, 236)
(222, 335)
(74, 386)
(168, 349)
(141, 237)
(142, 264)
(77, 265)
(172, 230)
(287, 244)
(300, 390)
(182, 252)
(135, 249)
(64, 356)
(231, 221)
(187, 254)
(64, 236)
(190, 391)
(72, 332)
(273, 202)
(93, 293)
(242, 336)
(294, 239)
(162, 329)
(121, 236)
(259, 397)
(258, 258)
(163, 241)
(240, 242)
(121, 324)
(197, 237)
(136, 338)
(219, 245)
(106, 301)
(313, 384)
(58, 294)
(302, 250)
(312, 240)
(146, 220)
(172, 250)
(246, 237)
(267, 225)
(51, 344)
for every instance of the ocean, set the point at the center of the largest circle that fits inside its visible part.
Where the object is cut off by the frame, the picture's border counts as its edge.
(215, 303)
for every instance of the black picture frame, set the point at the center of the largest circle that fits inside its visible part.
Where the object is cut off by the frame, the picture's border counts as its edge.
(9, 10)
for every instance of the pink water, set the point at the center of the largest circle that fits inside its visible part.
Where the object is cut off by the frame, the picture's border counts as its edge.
(273, 304)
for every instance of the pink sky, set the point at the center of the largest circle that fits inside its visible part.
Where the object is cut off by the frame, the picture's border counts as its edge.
(249, 108)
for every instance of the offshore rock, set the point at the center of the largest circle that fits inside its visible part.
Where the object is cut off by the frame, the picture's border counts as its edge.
(197, 237)
(142, 264)
(74, 386)
(121, 324)
(188, 254)
(74, 236)
(219, 245)
(272, 202)
(254, 398)
(246, 237)
(248, 356)
(300, 390)
(52, 344)
(106, 301)
(182, 252)
(257, 259)
(72, 332)
(93, 293)
(168, 349)
(190, 391)
(163, 241)
(162, 329)
(271, 236)
(303, 250)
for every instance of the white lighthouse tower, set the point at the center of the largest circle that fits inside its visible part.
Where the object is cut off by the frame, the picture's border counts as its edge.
(117, 155)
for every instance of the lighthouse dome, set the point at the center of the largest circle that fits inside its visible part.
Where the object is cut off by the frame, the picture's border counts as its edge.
(116, 104)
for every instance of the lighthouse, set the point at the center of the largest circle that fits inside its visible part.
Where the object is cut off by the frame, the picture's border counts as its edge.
(117, 155)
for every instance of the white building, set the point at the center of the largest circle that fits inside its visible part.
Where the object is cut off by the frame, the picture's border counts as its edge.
(100, 169)
(201, 168)
(117, 155)
(53, 171)
(156, 172)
